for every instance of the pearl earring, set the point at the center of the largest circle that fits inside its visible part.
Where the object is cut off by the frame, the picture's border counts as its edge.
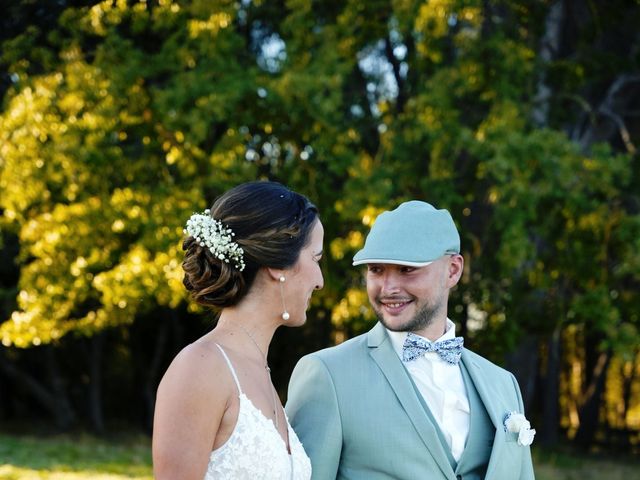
(285, 315)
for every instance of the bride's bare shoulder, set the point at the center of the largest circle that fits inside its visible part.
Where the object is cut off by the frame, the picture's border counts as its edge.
(200, 365)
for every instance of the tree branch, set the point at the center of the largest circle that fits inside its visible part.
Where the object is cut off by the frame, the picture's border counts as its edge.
(622, 128)
(395, 65)
(549, 47)
(607, 108)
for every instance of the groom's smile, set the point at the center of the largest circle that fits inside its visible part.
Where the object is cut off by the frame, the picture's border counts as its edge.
(394, 307)
(406, 298)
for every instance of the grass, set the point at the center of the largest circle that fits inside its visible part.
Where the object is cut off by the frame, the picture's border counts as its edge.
(563, 464)
(84, 457)
(74, 457)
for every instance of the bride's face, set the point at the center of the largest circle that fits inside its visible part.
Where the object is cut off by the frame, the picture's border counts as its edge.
(304, 277)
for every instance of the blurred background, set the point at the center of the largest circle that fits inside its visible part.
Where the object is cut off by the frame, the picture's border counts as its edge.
(120, 118)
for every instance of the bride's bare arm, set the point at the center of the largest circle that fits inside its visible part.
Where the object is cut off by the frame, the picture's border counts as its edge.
(191, 401)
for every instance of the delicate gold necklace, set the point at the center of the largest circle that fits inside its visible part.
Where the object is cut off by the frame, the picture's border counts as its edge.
(264, 355)
(266, 367)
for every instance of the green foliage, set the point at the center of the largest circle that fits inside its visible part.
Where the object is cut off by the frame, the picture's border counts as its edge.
(103, 160)
(133, 114)
(121, 118)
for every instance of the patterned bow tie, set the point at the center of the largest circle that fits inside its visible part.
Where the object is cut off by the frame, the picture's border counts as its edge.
(415, 346)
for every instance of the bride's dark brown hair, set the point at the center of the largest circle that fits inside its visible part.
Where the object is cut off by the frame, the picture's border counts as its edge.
(271, 223)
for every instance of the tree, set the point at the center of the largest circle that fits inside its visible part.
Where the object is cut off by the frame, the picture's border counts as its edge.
(121, 118)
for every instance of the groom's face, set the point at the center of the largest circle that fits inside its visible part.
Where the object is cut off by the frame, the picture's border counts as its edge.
(408, 298)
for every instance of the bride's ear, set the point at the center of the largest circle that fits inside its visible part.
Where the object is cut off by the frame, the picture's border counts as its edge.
(276, 274)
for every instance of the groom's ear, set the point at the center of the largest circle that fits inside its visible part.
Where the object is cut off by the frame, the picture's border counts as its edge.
(454, 270)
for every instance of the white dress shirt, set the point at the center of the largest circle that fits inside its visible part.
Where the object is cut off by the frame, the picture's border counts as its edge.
(442, 388)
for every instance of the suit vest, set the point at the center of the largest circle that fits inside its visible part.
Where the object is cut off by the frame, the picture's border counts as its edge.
(477, 450)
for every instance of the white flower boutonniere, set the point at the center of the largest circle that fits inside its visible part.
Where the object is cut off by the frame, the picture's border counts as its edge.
(517, 423)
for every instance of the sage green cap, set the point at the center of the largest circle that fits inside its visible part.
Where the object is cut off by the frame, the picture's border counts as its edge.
(414, 234)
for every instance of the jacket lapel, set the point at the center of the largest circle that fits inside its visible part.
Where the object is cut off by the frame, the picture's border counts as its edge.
(481, 382)
(499, 466)
(384, 355)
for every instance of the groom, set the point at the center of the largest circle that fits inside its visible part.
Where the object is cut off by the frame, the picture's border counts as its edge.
(406, 400)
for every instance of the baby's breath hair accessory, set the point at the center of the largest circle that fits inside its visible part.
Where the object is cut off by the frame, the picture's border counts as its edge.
(211, 233)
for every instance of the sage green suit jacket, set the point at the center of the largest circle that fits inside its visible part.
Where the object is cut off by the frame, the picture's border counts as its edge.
(357, 413)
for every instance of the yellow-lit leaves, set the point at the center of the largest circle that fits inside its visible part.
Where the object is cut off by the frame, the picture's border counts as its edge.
(210, 26)
(343, 246)
(355, 305)
(435, 20)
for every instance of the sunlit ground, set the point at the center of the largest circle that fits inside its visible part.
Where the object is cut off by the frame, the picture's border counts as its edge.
(83, 457)
(74, 457)
(9, 472)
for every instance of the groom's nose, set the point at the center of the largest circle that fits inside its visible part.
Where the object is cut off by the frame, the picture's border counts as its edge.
(390, 283)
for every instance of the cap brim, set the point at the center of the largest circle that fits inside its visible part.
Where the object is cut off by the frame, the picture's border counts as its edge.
(390, 262)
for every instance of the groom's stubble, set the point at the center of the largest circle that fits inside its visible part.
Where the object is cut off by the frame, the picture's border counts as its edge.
(425, 316)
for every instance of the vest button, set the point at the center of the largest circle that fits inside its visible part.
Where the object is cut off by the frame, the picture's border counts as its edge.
(459, 477)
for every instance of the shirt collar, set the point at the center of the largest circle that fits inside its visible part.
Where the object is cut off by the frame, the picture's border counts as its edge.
(398, 338)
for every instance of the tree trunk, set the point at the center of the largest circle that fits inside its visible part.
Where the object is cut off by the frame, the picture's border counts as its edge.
(96, 413)
(549, 47)
(54, 401)
(551, 392)
(590, 409)
(3, 397)
(523, 363)
(153, 373)
(65, 416)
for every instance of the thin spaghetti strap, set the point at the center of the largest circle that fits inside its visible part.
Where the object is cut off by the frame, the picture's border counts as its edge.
(233, 372)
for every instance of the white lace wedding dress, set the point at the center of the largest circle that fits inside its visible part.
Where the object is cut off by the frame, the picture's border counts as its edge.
(255, 450)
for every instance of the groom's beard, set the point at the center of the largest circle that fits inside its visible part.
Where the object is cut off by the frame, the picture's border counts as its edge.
(422, 319)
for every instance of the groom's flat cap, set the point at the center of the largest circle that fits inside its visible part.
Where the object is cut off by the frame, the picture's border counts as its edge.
(414, 234)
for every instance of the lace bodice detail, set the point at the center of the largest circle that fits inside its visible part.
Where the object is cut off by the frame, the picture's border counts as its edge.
(255, 450)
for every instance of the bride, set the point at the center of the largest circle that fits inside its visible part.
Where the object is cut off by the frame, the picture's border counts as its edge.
(254, 257)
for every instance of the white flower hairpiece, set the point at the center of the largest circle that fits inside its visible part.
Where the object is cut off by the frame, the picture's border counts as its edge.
(211, 233)
(517, 423)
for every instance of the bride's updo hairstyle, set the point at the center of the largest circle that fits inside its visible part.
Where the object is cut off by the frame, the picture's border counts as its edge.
(269, 222)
